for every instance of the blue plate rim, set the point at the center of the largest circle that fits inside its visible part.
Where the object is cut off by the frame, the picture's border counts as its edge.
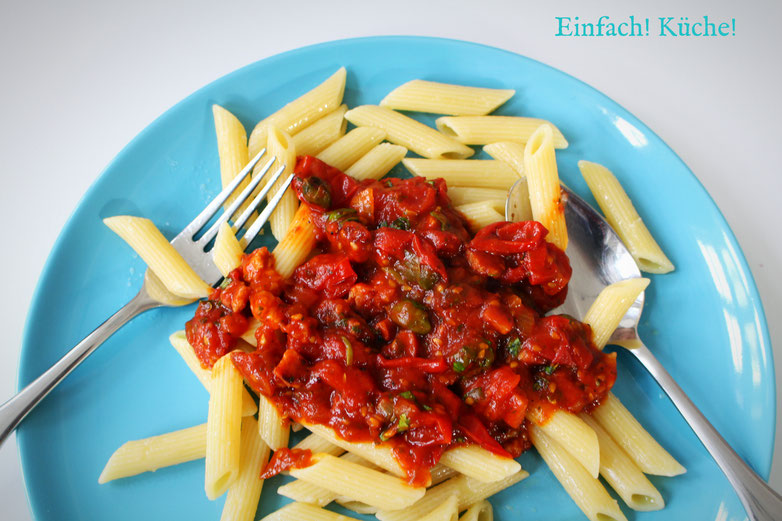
(59, 243)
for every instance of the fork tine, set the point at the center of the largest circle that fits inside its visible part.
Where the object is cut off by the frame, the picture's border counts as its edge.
(242, 219)
(202, 218)
(240, 199)
(266, 213)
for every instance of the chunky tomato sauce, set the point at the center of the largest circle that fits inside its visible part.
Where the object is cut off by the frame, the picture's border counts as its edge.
(404, 329)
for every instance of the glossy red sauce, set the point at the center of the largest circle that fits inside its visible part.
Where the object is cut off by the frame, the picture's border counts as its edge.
(285, 459)
(404, 329)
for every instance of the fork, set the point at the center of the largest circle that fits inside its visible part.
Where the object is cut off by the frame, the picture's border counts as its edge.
(152, 293)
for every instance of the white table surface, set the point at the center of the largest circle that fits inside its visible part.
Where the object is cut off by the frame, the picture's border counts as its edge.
(80, 79)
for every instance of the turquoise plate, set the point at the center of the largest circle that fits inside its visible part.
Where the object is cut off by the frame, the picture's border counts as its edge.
(704, 321)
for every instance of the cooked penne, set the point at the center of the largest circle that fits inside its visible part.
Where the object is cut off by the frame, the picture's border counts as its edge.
(359, 483)
(357, 506)
(273, 428)
(440, 473)
(322, 133)
(482, 213)
(223, 428)
(462, 172)
(472, 194)
(241, 502)
(185, 350)
(231, 147)
(622, 474)
(159, 254)
(150, 454)
(377, 162)
(623, 217)
(608, 309)
(305, 512)
(228, 251)
(642, 448)
(159, 292)
(444, 98)
(587, 492)
(380, 455)
(402, 130)
(482, 130)
(468, 491)
(479, 464)
(305, 492)
(509, 152)
(448, 510)
(316, 444)
(575, 436)
(540, 167)
(348, 149)
(280, 145)
(481, 511)
(297, 243)
(301, 112)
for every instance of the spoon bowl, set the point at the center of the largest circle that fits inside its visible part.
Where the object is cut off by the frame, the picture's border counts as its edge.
(599, 258)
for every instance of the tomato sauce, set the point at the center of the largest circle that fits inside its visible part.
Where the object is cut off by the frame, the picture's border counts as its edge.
(404, 329)
(286, 459)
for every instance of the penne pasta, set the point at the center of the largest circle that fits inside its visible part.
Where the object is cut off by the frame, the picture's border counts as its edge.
(348, 149)
(509, 152)
(228, 251)
(232, 149)
(448, 510)
(241, 502)
(316, 444)
(642, 448)
(622, 474)
(468, 491)
(460, 195)
(482, 214)
(463, 172)
(610, 306)
(380, 455)
(185, 350)
(623, 217)
(481, 511)
(305, 512)
(359, 483)
(273, 428)
(585, 490)
(159, 254)
(158, 291)
(280, 145)
(322, 133)
(357, 506)
(411, 134)
(297, 243)
(479, 464)
(223, 428)
(305, 492)
(377, 162)
(576, 437)
(540, 167)
(150, 454)
(482, 130)
(444, 98)
(301, 112)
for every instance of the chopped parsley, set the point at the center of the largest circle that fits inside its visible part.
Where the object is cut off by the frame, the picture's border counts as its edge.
(550, 368)
(407, 395)
(226, 282)
(458, 366)
(403, 424)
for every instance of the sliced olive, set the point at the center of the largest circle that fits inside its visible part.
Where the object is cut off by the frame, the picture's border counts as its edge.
(316, 191)
(411, 315)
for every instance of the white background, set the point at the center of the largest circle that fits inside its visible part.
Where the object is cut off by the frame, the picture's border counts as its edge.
(79, 79)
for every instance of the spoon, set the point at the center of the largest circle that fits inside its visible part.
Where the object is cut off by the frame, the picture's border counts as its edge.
(599, 258)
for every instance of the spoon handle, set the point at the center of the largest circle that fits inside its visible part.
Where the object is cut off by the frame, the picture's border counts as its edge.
(760, 501)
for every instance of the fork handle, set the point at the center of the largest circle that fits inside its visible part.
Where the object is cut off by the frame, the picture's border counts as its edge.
(759, 500)
(15, 409)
